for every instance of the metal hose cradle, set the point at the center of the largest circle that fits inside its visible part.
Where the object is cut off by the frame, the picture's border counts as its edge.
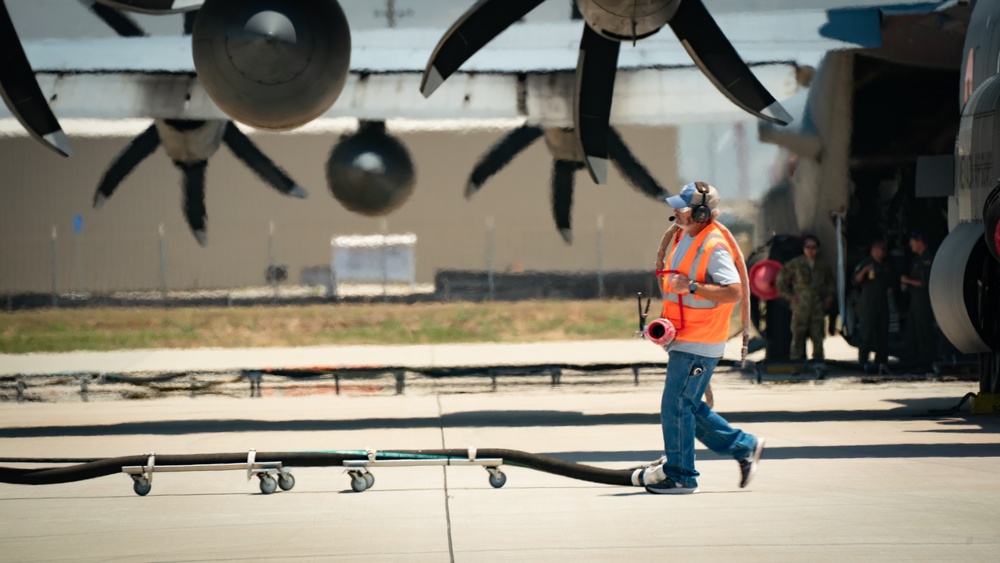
(261, 463)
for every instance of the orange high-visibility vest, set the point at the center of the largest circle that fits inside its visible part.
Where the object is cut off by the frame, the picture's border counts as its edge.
(704, 321)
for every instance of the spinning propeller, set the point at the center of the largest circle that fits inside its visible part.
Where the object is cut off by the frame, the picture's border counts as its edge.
(567, 159)
(271, 64)
(608, 23)
(188, 143)
(18, 87)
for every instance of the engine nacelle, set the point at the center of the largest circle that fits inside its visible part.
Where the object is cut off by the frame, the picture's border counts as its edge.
(661, 332)
(963, 289)
(625, 20)
(370, 172)
(272, 64)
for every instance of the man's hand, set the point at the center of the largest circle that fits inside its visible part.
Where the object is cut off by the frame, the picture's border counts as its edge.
(679, 284)
(860, 276)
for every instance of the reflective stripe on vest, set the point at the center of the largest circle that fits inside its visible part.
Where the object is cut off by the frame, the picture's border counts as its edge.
(706, 321)
(690, 301)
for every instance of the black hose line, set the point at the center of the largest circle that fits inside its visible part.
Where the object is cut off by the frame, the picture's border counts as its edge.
(111, 466)
(952, 410)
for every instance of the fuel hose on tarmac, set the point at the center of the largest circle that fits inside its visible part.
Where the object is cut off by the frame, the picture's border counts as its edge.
(90, 469)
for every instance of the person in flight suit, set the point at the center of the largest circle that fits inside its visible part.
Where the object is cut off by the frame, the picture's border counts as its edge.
(808, 285)
(873, 276)
(920, 317)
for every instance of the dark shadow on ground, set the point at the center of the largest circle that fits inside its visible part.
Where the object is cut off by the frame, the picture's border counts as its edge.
(877, 451)
(910, 410)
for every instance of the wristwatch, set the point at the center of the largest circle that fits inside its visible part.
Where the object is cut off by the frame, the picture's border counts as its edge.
(693, 286)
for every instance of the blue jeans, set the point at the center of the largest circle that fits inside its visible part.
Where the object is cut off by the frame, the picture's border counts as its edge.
(685, 417)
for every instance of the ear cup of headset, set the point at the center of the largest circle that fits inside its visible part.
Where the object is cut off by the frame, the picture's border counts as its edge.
(701, 213)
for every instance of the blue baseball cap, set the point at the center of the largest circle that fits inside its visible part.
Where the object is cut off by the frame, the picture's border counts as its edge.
(690, 193)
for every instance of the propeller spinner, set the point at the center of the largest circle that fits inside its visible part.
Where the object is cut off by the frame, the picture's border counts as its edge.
(608, 23)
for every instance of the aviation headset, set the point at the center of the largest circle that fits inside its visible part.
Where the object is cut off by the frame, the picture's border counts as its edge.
(701, 213)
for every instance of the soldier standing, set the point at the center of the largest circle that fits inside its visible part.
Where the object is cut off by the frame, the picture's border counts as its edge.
(920, 317)
(808, 284)
(874, 278)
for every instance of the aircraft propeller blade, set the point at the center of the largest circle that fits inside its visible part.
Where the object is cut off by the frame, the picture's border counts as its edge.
(189, 19)
(718, 60)
(122, 23)
(157, 7)
(477, 27)
(136, 151)
(562, 196)
(247, 151)
(633, 170)
(499, 155)
(21, 93)
(595, 86)
(194, 198)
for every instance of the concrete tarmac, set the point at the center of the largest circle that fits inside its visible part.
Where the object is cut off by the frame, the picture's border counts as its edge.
(852, 471)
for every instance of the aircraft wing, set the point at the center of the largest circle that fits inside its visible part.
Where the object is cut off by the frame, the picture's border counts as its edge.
(528, 73)
(925, 34)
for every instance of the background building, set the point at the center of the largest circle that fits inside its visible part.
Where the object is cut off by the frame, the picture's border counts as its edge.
(118, 246)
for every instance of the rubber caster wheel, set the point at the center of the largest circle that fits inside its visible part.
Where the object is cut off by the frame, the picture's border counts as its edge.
(497, 480)
(141, 486)
(267, 484)
(369, 480)
(358, 483)
(286, 481)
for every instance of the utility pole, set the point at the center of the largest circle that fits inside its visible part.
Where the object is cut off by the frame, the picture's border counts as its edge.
(742, 160)
(391, 14)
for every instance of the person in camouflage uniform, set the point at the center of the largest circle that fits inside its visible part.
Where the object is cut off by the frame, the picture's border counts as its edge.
(808, 284)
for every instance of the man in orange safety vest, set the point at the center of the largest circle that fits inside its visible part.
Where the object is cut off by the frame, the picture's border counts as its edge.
(701, 286)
